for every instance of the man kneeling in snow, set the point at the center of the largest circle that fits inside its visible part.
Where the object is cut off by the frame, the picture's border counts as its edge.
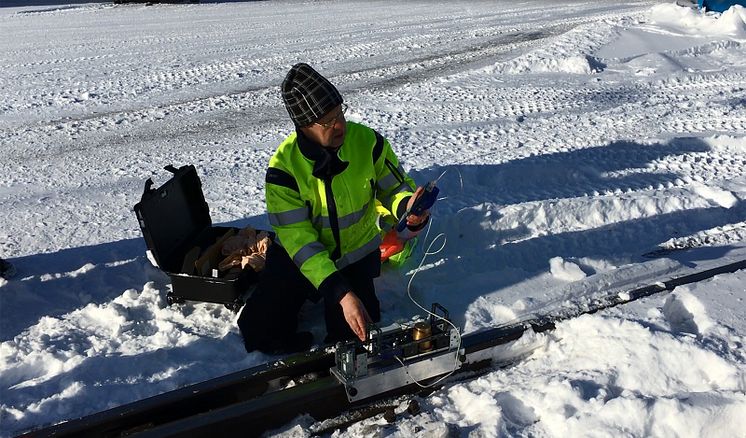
(321, 190)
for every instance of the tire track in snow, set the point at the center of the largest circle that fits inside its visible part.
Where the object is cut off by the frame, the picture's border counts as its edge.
(251, 106)
(588, 114)
(233, 70)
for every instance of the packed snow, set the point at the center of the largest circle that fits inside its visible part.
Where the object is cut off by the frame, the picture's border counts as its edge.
(588, 148)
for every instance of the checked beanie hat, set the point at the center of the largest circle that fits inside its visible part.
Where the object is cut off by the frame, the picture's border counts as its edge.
(308, 95)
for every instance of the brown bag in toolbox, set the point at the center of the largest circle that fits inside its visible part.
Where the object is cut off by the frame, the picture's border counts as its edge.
(176, 224)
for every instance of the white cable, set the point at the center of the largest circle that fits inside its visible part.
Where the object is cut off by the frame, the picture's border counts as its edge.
(424, 239)
(461, 181)
(409, 294)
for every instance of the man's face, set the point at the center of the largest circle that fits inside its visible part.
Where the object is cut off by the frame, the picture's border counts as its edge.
(329, 131)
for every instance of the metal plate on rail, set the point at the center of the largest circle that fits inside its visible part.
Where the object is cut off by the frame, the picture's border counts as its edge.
(397, 376)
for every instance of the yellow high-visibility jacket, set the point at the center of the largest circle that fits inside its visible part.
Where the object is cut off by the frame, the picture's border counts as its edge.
(321, 203)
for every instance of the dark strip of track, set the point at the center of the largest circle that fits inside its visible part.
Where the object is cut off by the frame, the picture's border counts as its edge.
(244, 403)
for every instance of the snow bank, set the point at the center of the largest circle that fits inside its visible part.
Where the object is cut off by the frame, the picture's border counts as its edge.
(579, 51)
(685, 313)
(565, 270)
(721, 197)
(116, 352)
(569, 52)
(674, 39)
(691, 21)
(563, 63)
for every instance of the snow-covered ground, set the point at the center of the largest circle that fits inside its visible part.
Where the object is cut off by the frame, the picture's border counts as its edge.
(574, 136)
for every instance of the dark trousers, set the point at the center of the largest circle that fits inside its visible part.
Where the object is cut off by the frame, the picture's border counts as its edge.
(270, 317)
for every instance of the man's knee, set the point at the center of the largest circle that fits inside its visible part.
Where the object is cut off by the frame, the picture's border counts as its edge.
(270, 314)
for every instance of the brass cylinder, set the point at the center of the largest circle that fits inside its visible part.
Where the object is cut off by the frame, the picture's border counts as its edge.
(422, 330)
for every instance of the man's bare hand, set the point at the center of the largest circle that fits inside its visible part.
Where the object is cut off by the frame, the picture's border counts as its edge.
(355, 314)
(413, 220)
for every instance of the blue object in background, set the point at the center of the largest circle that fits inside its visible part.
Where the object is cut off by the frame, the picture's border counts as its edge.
(719, 5)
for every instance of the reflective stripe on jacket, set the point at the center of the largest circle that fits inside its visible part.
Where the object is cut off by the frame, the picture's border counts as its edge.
(321, 203)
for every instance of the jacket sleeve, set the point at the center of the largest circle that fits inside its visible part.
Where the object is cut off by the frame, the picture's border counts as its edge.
(394, 186)
(290, 219)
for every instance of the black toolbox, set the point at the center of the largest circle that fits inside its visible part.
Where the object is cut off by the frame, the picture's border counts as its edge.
(176, 224)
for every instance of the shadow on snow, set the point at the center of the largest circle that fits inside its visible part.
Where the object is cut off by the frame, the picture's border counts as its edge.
(480, 260)
(57, 283)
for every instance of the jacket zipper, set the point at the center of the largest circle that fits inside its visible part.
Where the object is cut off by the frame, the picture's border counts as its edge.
(331, 205)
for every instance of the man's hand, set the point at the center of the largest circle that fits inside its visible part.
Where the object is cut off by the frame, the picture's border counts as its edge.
(355, 314)
(414, 220)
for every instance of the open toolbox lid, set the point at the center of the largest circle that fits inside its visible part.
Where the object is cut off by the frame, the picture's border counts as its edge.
(172, 216)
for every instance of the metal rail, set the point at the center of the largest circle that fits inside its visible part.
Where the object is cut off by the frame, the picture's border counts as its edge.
(245, 403)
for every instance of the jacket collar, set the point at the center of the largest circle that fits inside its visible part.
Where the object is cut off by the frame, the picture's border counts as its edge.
(326, 162)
